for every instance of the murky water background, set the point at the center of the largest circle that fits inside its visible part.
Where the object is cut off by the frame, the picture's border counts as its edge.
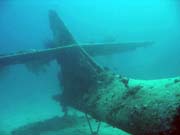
(24, 25)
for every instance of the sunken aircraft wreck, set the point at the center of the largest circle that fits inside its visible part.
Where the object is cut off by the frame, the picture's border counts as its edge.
(139, 107)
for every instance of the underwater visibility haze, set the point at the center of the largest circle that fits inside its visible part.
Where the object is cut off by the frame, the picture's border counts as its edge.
(33, 33)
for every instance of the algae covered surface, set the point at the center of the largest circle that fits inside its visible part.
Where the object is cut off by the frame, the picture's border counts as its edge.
(115, 29)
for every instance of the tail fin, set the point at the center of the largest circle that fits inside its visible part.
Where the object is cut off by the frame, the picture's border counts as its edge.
(62, 37)
(61, 34)
(79, 71)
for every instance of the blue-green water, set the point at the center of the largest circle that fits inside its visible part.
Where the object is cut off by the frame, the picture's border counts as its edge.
(24, 25)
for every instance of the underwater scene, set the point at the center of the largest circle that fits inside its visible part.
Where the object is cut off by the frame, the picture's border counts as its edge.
(89, 67)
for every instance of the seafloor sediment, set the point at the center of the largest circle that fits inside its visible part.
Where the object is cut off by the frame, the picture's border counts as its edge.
(68, 125)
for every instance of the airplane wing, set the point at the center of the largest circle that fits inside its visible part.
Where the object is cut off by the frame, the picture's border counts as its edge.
(99, 49)
(113, 48)
(63, 39)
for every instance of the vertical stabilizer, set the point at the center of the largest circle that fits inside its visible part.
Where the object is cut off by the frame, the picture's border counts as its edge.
(79, 71)
(61, 34)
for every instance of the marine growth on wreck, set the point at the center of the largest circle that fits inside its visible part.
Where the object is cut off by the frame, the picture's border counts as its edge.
(124, 82)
